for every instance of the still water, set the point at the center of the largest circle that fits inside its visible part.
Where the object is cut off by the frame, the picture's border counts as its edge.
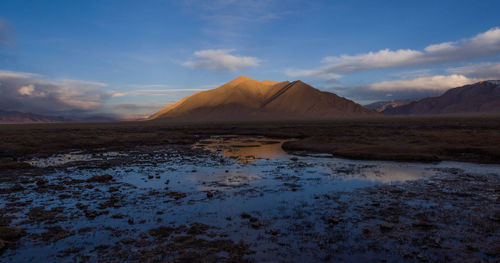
(213, 182)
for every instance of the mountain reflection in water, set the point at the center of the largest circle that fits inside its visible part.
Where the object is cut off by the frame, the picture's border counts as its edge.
(244, 149)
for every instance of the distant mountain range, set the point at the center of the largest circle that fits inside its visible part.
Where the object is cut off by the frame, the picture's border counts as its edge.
(11, 117)
(381, 106)
(248, 99)
(479, 98)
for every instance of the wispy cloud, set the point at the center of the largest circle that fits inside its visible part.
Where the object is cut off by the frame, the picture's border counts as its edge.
(481, 45)
(155, 92)
(227, 18)
(220, 60)
(34, 93)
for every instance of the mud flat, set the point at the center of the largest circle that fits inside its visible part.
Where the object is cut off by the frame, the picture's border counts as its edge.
(235, 198)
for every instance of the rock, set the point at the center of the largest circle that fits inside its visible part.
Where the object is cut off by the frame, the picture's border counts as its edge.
(26, 180)
(41, 182)
(9, 233)
(6, 159)
(385, 226)
(334, 220)
(437, 241)
(14, 165)
(118, 216)
(162, 232)
(55, 233)
(127, 241)
(493, 249)
(100, 178)
(274, 232)
(423, 224)
(245, 215)
(176, 195)
(421, 257)
(91, 214)
(197, 229)
(495, 216)
(81, 206)
(16, 188)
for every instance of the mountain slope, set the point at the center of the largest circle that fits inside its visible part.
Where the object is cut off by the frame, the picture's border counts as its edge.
(248, 99)
(479, 98)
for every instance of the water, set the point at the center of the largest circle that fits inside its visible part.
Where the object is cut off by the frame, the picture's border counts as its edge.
(213, 183)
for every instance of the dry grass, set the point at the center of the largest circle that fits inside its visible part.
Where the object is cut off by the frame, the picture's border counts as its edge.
(392, 138)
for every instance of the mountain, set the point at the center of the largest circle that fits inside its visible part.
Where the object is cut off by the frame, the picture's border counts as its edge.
(248, 99)
(12, 117)
(479, 98)
(21, 117)
(380, 106)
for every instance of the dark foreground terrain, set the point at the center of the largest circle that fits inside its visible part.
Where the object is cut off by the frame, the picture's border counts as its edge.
(154, 192)
(474, 139)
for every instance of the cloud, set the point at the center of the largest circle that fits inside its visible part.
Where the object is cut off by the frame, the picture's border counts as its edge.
(135, 107)
(118, 94)
(485, 70)
(481, 45)
(28, 92)
(414, 88)
(439, 83)
(220, 60)
(314, 73)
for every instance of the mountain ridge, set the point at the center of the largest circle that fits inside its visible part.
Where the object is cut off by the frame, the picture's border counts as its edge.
(245, 98)
(17, 117)
(380, 106)
(479, 98)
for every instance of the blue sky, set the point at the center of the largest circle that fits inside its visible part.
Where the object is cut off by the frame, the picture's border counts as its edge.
(133, 57)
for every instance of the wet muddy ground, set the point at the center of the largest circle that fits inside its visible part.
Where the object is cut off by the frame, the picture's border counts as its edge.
(241, 198)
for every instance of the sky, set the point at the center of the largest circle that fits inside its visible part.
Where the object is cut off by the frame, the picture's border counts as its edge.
(131, 58)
